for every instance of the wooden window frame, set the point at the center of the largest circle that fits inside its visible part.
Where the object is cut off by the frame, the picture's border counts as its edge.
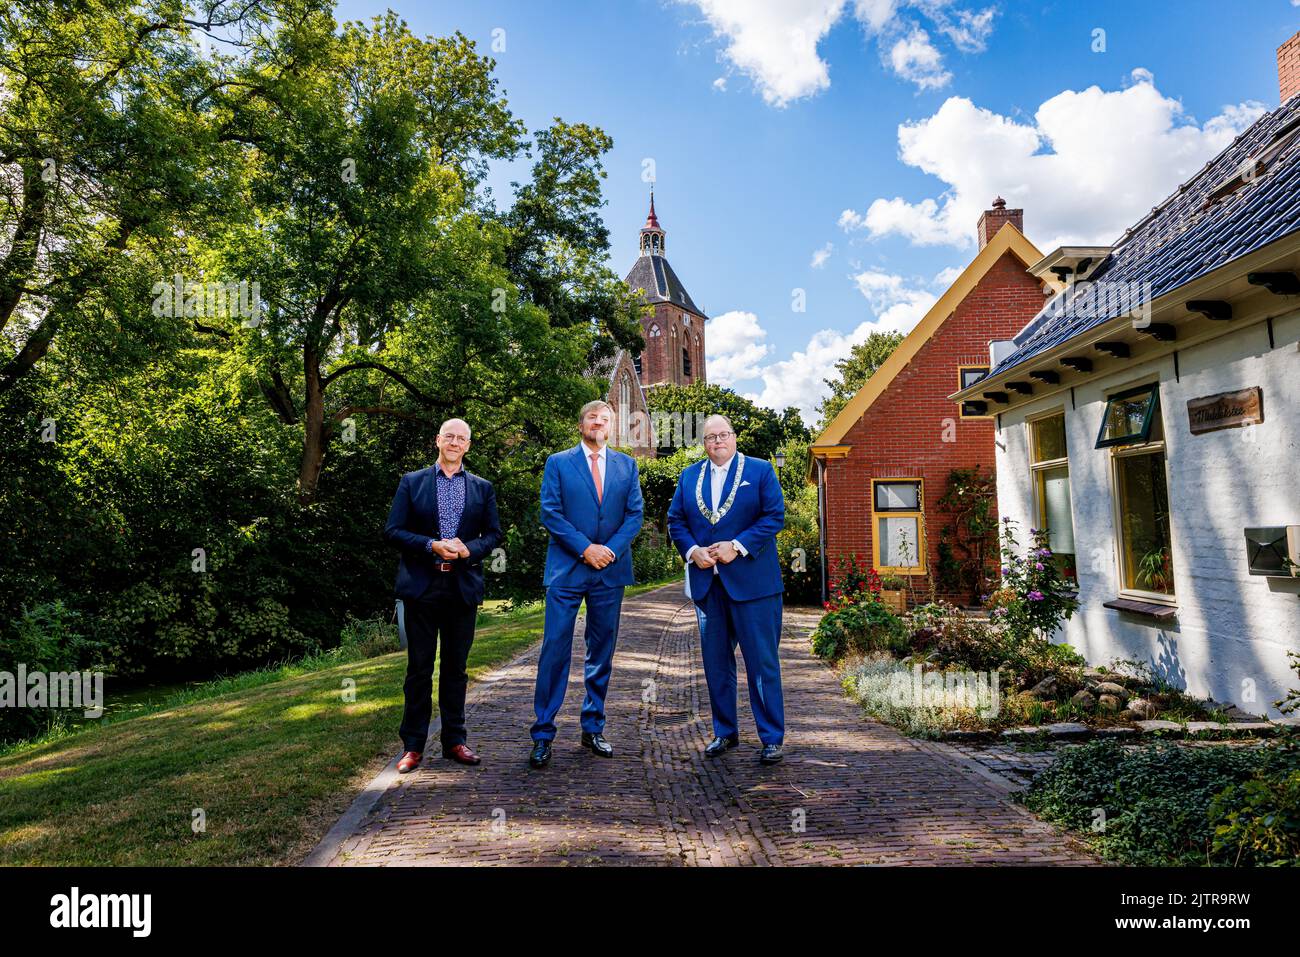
(1037, 468)
(1138, 438)
(918, 514)
(962, 385)
(1117, 453)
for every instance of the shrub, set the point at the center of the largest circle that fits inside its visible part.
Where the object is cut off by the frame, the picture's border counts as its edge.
(851, 581)
(944, 632)
(864, 627)
(651, 562)
(873, 683)
(1156, 801)
(46, 637)
(1258, 821)
(802, 578)
(1034, 596)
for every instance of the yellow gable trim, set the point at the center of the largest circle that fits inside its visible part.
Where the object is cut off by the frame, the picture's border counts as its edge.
(1008, 239)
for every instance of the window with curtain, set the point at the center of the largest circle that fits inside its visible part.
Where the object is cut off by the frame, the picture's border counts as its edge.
(898, 521)
(1050, 469)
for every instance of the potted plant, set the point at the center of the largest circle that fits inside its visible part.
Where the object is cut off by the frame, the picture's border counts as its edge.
(1155, 570)
(892, 593)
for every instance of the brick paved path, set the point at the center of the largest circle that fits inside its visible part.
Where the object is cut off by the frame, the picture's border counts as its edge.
(850, 791)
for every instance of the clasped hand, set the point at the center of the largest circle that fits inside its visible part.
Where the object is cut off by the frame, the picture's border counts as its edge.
(450, 548)
(724, 552)
(597, 556)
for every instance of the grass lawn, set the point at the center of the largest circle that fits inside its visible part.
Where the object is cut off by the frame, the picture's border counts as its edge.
(271, 759)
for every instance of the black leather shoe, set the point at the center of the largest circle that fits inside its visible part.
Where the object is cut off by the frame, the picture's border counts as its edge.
(772, 753)
(541, 754)
(597, 744)
(719, 745)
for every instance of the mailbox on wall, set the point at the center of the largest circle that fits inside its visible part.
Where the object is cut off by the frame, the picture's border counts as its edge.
(1274, 550)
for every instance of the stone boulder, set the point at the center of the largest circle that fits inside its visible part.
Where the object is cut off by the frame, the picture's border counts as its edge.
(1142, 709)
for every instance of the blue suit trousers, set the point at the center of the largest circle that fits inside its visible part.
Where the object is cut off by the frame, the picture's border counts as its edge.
(604, 604)
(755, 625)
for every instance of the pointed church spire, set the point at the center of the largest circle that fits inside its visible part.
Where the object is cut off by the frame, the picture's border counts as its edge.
(652, 234)
(652, 220)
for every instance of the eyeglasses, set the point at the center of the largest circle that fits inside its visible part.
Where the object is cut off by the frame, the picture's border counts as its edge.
(458, 439)
(718, 436)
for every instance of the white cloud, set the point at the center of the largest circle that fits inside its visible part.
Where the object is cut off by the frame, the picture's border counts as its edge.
(1090, 164)
(734, 341)
(947, 276)
(970, 31)
(898, 306)
(820, 256)
(914, 58)
(736, 347)
(774, 42)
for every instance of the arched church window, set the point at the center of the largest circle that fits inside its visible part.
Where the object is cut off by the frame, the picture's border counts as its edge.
(624, 407)
(654, 330)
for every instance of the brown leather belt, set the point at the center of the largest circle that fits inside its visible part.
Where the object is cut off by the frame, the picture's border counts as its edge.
(443, 566)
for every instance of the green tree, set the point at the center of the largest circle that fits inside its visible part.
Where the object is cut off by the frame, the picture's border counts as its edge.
(853, 371)
(111, 145)
(759, 430)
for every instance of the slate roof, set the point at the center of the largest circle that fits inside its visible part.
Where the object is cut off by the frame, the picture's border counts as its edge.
(1191, 233)
(656, 277)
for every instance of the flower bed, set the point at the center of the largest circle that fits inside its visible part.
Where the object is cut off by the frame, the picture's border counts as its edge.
(938, 668)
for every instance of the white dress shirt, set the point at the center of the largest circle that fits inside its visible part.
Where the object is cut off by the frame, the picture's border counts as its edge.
(717, 478)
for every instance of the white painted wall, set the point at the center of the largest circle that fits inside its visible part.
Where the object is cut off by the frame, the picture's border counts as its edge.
(1233, 630)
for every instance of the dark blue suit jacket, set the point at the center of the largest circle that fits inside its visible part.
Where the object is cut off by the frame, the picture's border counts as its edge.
(575, 519)
(413, 522)
(755, 517)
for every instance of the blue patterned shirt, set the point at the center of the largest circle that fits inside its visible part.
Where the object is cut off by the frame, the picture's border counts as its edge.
(451, 499)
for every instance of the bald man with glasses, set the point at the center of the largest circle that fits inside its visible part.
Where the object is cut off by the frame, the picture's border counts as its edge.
(444, 522)
(724, 517)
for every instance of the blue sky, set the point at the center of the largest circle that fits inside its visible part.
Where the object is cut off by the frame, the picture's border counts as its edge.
(872, 130)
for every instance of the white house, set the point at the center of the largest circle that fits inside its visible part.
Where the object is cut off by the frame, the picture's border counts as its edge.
(1149, 419)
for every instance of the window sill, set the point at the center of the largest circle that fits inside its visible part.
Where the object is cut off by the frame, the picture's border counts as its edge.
(1149, 609)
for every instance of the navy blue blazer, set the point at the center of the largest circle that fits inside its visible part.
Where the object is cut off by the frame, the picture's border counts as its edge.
(575, 519)
(413, 523)
(754, 518)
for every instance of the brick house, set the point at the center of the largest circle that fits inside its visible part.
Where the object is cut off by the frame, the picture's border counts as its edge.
(884, 462)
(673, 337)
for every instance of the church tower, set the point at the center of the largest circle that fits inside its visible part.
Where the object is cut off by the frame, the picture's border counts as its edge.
(674, 332)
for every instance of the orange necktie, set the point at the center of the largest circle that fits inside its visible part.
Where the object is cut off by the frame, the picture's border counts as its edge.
(595, 474)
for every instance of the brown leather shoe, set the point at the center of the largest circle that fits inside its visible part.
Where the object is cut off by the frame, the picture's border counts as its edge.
(461, 754)
(410, 761)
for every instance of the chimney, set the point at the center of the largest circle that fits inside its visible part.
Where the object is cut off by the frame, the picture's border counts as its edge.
(1288, 67)
(991, 220)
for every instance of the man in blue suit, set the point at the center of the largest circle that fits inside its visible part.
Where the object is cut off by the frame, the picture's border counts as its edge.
(591, 505)
(724, 519)
(444, 522)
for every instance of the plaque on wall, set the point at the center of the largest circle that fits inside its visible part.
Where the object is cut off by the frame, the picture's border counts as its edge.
(1227, 410)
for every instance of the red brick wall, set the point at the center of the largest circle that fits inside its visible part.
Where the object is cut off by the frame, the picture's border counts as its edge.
(901, 434)
(1288, 67)
(631, 425)
(661, 362)
(992, 220)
